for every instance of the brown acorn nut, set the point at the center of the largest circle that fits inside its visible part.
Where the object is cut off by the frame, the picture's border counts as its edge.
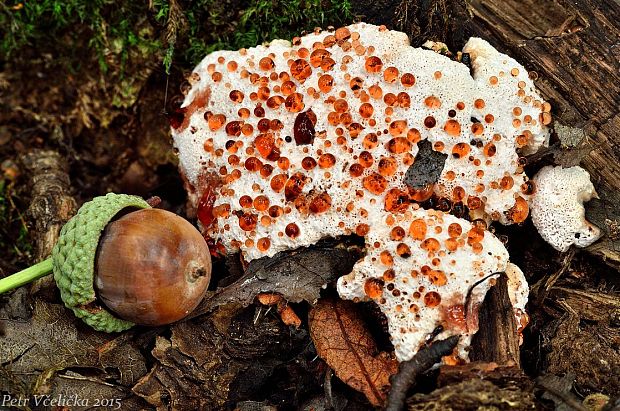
(152, 267)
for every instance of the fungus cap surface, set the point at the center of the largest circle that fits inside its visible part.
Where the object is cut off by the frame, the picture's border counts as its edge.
(557, 207)
(369, 98)
(440, 279)
(285, 144)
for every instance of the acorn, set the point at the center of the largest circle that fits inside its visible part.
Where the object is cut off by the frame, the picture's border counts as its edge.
(119, 262)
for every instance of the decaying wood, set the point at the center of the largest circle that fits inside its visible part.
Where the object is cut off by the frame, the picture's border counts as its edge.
(473, 394)
(539, 291)
(497, 339)
(605, 213)
(558, 390)
(51, 205)
(585, 349)
(478, 385)
(500, 375)
(591, 306)
(574, 46)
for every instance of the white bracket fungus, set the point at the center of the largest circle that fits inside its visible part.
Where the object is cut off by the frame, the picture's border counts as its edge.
(557, 207)
(282, 145)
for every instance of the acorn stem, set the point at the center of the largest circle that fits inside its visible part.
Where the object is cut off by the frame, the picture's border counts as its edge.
(26, 276)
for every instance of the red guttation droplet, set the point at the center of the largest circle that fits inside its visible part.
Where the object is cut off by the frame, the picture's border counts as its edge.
(294, 186)
(216, 249)
(205, 207)
(176, 114)
(303, 129)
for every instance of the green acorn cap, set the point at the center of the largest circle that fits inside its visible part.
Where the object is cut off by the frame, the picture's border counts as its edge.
(74, 259)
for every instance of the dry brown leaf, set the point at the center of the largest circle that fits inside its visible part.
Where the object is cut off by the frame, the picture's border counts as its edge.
(51, 342)
(343, 341)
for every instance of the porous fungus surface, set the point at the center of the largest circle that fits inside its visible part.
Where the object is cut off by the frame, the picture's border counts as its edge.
(557, 207)
(285, 144)
(420, 270)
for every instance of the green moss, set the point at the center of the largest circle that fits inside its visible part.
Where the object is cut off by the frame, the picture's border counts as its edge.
(111, 26)
(261, 21)
(167, 30)
(266, 20)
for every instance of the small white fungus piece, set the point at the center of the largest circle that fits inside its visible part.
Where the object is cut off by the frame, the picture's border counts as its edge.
(557, 207)
(518, 289)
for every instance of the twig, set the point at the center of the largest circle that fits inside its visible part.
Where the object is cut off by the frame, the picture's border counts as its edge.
(52, 204)
(541, 288)
(81, 378)
(408, 371)
(554, 388)
(327, 388)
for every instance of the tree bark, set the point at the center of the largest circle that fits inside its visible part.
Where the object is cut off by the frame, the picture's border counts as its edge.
(52, 204)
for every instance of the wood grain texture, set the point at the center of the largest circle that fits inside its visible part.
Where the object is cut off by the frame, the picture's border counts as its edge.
(52, 204)
(497, 339)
